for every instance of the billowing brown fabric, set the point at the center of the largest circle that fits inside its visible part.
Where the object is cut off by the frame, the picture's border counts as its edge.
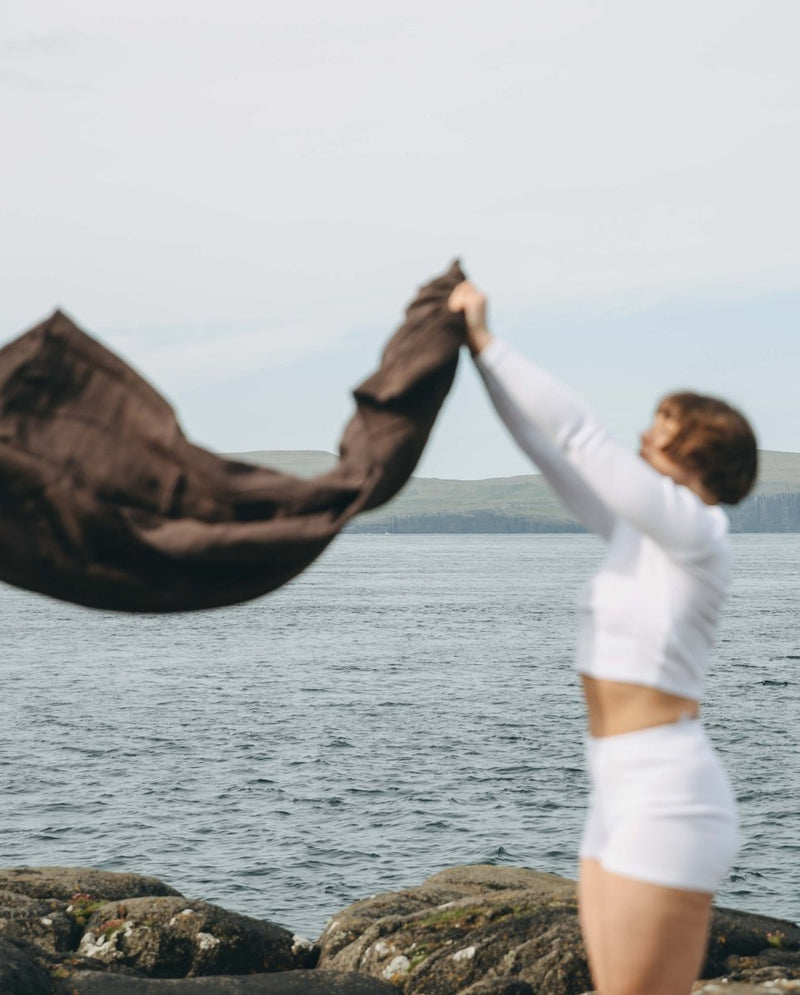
(104, 502)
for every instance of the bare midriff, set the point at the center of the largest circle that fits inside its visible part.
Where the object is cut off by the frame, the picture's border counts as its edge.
(615, 707)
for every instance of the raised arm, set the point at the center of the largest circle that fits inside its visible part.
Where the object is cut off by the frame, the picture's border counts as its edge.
(564, 479)
(533, 405)
(530, 399)
(559, 472)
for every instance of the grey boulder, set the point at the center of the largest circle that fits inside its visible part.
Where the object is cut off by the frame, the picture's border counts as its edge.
(175, 938)
(70, 920)
(479, 930)
(289, 983)
(66, 882)
(482, 929)
(19, 975)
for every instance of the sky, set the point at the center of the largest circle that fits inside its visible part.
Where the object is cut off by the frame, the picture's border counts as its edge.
(240, 197)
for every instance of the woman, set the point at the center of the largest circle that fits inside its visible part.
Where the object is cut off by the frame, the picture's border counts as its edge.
(661, 830)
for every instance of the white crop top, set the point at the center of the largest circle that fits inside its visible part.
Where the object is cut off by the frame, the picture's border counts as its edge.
(649, 614)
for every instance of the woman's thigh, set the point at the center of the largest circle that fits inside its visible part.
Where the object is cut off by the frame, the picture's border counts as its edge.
(652, 940)
(590, 909)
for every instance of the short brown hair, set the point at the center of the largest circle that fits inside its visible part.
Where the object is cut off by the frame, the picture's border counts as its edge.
(715, 440)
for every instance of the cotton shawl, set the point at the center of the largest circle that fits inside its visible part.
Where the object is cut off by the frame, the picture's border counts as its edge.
(105, 503)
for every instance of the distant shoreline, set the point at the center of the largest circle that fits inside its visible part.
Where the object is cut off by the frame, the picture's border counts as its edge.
(525, 504)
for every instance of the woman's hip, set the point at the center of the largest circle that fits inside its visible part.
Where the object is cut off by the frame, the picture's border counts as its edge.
(662, 807)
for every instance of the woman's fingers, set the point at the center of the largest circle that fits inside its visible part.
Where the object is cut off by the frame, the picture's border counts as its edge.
(456, 300)
(464, 295)
(467, 298)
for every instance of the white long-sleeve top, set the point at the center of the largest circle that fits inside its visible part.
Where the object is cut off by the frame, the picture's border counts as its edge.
(650, 613)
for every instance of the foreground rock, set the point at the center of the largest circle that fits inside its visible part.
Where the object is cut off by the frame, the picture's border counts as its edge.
(287, 983)
(479, 930)
(59, 924)
(19, 975)
(476, 930)
(724, 987)
(65, 882)
(484, 930)
(176, 938)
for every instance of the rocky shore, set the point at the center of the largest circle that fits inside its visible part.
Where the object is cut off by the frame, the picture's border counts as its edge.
(476, 930)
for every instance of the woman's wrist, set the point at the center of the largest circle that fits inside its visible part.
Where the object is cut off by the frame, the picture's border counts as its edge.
(478, 339)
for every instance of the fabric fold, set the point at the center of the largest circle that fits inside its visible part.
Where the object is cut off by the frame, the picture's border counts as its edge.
(104, 502)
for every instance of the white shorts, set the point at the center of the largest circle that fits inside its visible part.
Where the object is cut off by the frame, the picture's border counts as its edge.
(662, 809)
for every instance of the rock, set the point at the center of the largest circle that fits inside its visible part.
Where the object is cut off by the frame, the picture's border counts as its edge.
(723, 987)
(66, 882)
(752, 948)
(134, 925)
(43, 922)
(500, 986)
(19, 975)
(477, 929)
(465, 927)
(175, 938)
(49, 907)
(287, 983)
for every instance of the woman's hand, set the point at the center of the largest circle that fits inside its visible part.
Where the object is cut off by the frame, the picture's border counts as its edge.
(472, 302)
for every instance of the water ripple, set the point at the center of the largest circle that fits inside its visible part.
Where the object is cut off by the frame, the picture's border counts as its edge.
(406, 704)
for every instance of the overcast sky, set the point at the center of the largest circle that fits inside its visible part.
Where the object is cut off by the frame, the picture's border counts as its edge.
(241, 195)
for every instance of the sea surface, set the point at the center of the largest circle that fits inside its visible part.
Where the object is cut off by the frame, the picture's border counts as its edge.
(405, 705)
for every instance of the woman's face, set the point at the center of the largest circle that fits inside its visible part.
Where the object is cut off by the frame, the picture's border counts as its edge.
(653, 442)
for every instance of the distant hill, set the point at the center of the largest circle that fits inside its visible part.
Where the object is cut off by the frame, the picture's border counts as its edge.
(300, 462)
(778, 472)
(525, 503)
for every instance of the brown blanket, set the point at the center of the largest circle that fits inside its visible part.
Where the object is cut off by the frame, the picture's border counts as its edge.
(104, 502)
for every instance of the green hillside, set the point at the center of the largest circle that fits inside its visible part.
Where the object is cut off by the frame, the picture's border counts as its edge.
(778, 472)
(525, 503)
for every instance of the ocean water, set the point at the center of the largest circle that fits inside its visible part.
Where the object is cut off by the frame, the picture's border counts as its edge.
(405, 705)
